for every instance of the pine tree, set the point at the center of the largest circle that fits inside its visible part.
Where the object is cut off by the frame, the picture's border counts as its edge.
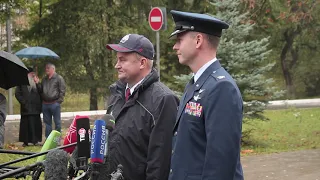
(246, 60)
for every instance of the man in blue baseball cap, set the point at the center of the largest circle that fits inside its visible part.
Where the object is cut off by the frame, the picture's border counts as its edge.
(207, 132)
(144, 110)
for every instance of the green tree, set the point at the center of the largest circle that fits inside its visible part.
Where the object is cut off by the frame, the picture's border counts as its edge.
(293, 27)
(246, 60)
(78, 32)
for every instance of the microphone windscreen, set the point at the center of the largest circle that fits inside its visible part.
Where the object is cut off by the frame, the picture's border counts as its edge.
(83, 134)
(51, 142)
(71, 135)
(110, 121)
(56, 165)
(98, 142)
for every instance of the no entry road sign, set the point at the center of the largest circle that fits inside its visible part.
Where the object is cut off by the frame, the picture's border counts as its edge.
(156, 19)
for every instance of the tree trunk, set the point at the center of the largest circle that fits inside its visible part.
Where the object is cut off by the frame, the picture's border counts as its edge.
(285, 68)
(93, 99)
(286, 64)
(93, 88)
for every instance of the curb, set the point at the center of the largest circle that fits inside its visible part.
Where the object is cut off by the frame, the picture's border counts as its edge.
(64, 115)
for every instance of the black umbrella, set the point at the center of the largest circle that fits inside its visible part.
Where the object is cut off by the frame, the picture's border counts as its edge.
(12, 71)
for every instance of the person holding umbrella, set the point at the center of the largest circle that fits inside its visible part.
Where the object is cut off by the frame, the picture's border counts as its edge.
(3, 114)
(12, 73)
(30, 109)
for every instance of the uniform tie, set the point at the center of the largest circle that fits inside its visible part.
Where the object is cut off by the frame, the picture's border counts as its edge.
(127, 93)
(189, 89)
(191, 81)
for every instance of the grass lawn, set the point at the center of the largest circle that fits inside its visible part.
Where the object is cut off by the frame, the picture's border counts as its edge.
(287, 130)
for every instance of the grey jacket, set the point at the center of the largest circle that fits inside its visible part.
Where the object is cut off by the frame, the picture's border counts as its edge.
(52, 90)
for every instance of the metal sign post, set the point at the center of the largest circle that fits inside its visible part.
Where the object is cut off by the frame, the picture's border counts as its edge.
(158, 51)
(157, 17)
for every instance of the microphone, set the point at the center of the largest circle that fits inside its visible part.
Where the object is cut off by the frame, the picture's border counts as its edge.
(71, 135)
(98, 146)
(110, 121)
(51, 142)
(110, 124)
(83, 144)
(98, 142)
(56, 165)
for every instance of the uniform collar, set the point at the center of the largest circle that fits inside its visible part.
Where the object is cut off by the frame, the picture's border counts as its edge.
(203, 68)
(204, 76)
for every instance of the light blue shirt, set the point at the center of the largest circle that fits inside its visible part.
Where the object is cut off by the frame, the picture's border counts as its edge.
(202, 69)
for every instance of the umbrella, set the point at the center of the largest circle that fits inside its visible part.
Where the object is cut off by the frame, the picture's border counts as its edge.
(36, 52)
(12, 71)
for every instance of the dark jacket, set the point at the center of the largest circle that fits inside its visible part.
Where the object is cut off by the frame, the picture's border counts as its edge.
(207, 133)
(3, 114)
(3, 109)
(52, 90)
(30, 101)
(141, 140)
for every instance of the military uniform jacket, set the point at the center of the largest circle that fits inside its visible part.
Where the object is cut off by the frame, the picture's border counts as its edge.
(207, 132)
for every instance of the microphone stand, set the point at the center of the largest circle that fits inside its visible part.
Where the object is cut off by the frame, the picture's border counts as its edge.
(5, 151)
(36, 155)
(37, 172)
(85, 175)
(117, 175)
(20, 170)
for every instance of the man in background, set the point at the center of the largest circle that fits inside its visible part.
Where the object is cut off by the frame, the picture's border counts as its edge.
(52, 90)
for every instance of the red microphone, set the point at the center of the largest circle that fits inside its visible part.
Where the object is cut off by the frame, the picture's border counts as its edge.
(71, 136)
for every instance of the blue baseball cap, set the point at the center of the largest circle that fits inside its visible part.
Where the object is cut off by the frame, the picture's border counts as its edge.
(187, 21)
(134, 43)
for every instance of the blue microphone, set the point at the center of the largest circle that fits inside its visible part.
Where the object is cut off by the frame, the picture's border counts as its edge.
(98, 142)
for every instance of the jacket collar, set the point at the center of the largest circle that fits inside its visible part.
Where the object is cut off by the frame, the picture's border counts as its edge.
(120, 86)
(53, 76)
(213, 67)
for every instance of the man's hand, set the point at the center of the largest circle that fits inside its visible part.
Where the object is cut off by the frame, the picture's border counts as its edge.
(36, 79)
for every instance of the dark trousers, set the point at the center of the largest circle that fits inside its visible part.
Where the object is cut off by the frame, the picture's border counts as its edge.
(49, 111)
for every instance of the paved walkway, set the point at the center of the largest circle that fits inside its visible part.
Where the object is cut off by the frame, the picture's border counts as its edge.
(299, 165)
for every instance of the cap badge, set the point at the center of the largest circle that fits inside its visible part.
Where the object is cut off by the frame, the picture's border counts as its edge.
(125, 38)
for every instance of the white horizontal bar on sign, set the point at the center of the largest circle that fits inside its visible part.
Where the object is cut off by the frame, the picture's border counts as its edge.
(156, 19)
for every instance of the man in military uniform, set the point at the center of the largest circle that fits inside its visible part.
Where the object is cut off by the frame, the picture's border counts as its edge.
(207, 132)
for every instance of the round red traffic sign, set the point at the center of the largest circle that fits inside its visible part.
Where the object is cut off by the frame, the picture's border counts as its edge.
(155, 19)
